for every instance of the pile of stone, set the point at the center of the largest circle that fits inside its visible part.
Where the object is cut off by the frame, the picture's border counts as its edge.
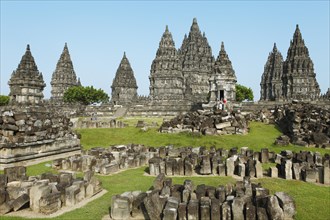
(45, 193)
(304, 124)
(31, 132)
(305, 166)
(208, 122)
(168, 201)
(107, 160)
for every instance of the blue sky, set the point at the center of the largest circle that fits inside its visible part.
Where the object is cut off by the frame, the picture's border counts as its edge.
(98, 33)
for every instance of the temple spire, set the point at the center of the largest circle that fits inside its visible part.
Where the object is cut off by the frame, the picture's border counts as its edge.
(64, 75)
(274, 48)
(124, 87)
(222, 46)
(26, 78)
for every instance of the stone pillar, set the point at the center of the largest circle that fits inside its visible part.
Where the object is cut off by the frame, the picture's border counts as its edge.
(120, 207)
(193, 210)
(205, 204)
(238, 208)
(230, 166)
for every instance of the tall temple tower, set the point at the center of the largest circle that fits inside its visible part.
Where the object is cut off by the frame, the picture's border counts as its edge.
(166, 80)
(299, 80)
(26, 83)
(271, 80)
(124, 87)
(223, 80)
(64, 76)
(196, 60)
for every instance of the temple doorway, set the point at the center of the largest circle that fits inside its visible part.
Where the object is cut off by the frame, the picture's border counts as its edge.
(221, 94)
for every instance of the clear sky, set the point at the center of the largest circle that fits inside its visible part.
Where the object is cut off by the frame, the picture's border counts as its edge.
(98, 33)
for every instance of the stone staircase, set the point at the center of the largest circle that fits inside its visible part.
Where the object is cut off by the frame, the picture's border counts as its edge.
(120, 112)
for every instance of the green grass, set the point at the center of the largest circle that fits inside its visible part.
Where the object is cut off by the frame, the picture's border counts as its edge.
(260, 136)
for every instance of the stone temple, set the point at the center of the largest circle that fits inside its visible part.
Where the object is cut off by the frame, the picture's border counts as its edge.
(179, 78)
(223, 79)
(124, 87)
(64, 76)
(197, 62)
(166, 78)
(292, 79)
(26, 83)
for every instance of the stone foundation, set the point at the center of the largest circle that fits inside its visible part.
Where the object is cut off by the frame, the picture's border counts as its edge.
(34, 132)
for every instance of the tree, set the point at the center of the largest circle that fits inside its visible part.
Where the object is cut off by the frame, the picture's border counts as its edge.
(4, 100)
(85, 95)
(243, 93)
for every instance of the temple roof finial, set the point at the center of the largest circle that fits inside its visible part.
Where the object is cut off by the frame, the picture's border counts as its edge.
(166, 29)
(274, 48)
(28, 47)
(195, 20)
(124, 55)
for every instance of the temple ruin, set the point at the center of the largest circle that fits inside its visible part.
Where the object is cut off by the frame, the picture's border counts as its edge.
(166, 78)
(26, 83)
(223, 80)
(124, 87)
(63, 77)
(293, 79)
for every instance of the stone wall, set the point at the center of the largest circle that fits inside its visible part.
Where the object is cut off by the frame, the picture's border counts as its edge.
(46, 193)
(34, 132)
(305, 165)
(168, 201)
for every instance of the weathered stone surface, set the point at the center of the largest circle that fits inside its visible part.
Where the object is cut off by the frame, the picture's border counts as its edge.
(5, 208)
(193, 210)
(226, 211)
(182, 211)
(20, 201)
(50, 203)
(40, 189)
(238, 208)
(71, 195)
(154, 205)
(287, 204)
(120, 207)
(274, 210)
(230, 166)
(15, 173)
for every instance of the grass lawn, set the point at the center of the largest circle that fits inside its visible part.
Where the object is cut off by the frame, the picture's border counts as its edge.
(260, 136)
(312, 201)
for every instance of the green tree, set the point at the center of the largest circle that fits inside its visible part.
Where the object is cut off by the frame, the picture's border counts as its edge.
(243, 93)
(85, 95)
(4, 100)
